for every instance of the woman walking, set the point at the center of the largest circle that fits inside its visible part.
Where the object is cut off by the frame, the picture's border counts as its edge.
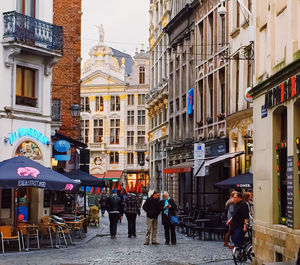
(229, 206)
(169, 209)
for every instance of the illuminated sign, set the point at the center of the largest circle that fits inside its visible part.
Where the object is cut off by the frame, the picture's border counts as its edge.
(33, 133)
(247, 96)
(190, 101)
(62, 146)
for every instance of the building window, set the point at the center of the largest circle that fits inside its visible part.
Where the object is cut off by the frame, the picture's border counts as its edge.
(141, 99)
(130, 138)
(223, 31)
(211, 95)
(211, 34)
(114, 158)
(114, 131)
(177, 104)
(141, 117)
(184, 101)
(171, 107)
(142, 75)
(130, 158)
(130, 117)
(115, 103)
(141, 137)
(26, 7)
(237, 14)
(98, 131)
(85, 130)
(237, 84)
(85, 104)
(99, 104)
(130, 100)
(25, 86)
(141, 158)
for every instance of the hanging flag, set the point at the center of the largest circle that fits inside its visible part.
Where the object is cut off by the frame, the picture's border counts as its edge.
(98, 190)
(92, 190)
(119, 185)
(126, 188)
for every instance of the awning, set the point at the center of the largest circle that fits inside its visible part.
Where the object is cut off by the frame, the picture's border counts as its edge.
(110, 174)
(180, 168)
(84, 178)
(239, 181)
(222, 158)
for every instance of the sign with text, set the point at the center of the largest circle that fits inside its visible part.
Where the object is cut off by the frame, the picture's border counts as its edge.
(290, 191)
(199, 151)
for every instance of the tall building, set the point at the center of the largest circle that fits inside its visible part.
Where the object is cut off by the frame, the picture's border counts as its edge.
(276, 112)
(181, 61)
(113, 117)
(31, 45)
(157, 100)
(66, 82)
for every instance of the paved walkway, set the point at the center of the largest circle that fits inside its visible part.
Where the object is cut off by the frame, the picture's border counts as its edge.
(123, 250)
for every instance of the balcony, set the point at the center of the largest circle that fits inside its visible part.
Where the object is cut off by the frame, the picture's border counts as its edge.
(141, 147)
(97, 146)
(30, 34)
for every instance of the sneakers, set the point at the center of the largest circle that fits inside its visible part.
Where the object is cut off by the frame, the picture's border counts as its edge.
(155, 243)
(146, 243)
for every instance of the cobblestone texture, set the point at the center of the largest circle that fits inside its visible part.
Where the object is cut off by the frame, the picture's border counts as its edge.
(103, 250)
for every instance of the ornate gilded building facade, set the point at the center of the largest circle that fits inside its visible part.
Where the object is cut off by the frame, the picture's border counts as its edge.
(113, 117)
(157, 99)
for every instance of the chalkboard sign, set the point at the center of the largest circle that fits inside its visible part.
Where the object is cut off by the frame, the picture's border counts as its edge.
(290, 191)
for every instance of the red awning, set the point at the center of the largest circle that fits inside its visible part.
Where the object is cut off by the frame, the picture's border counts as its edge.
(180, 168)
(110, 174)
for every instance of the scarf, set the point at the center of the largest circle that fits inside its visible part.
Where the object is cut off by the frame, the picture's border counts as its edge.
(166, 211)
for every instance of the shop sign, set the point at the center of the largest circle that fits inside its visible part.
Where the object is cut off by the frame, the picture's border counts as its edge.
(62, 146)
(33, 133)
(283, 92)
(62, 157)
(247, 96)
(215, 148)
(264, 111)
(190, 101)
(290, 191)
(199, 151)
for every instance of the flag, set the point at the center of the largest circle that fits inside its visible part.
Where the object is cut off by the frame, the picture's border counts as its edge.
(98, 190)
(126, 188)
(119, 186)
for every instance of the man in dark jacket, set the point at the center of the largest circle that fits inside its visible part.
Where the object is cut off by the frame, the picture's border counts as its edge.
(169, 209)
(239, 220)
(152, 207)
(131, 209)
(115, 208)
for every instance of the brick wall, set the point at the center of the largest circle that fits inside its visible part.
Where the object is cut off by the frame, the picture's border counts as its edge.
(66, 73)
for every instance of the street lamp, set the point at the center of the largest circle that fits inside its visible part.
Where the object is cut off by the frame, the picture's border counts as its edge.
(75, 110)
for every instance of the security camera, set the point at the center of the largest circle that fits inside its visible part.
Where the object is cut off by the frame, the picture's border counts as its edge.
(222, 11)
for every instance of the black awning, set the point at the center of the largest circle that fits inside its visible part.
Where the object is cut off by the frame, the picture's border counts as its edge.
(237, 182)
(73, 142)
(84, 178)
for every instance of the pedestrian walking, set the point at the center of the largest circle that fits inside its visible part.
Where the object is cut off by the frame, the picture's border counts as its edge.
(103, 198)
(229, 207)
(152, 207)
(115, 208)
(169, 209)
(239, 220)
(131, 210)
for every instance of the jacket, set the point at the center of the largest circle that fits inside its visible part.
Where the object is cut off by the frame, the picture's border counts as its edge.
(114, 204)
(152, 207)
(131, 204)
(166, 219)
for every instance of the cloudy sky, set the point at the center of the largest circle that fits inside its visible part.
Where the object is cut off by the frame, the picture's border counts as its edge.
(125, 23)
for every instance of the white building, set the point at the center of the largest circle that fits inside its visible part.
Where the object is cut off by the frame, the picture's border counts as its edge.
(31, 45)
(113, 113)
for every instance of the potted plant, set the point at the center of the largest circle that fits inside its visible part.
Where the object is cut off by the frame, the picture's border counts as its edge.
(209, 120)
(221, 116)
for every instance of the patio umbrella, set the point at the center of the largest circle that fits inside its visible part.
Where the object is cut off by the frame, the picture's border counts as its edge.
(239, 181)
(84, 178)
(20, 172)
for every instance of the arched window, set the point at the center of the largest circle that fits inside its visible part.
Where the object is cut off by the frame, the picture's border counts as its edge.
(142, 75)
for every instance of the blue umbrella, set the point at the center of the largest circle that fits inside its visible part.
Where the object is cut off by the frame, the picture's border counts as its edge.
(20, 172)
(84, 178)
(237, 182)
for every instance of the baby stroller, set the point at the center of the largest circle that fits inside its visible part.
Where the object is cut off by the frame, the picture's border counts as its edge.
(94, 215)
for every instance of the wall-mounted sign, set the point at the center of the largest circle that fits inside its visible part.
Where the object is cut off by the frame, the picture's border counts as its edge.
(283, 92)
(215, 148)
(30, 150)
(62, 157)
(264, 111)
(199, 151)
(33, 133)
(62, 146)
(98, 161)
(247, 96)
(190, 101)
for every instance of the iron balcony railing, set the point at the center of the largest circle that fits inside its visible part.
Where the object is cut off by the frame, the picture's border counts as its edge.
(31, 31)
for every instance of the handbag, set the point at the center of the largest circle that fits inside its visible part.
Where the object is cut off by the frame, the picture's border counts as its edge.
(174, 220)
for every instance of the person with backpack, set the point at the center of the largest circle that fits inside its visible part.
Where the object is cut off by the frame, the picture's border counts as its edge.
(131, 210)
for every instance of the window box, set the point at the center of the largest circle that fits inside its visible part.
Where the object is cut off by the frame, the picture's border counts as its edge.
(26, 101)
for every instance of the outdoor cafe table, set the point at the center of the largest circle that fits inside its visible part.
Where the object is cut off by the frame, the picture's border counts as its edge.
(72, 224)
(28, 227)
(202, 222)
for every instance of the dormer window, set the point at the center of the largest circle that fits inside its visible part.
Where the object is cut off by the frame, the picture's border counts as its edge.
(26, 7)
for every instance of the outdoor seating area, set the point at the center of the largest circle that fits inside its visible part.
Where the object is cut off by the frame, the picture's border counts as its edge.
(203, 225)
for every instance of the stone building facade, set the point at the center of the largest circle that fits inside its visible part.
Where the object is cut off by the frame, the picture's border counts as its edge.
(276, 110)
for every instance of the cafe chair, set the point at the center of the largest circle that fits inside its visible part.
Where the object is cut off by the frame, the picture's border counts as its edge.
(6, 235)
(28, 232)
(47, 228)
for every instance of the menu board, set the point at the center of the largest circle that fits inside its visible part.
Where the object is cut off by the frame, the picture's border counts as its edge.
(290, 191)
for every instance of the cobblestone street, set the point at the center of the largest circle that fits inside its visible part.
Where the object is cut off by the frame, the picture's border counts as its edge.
(124, 250)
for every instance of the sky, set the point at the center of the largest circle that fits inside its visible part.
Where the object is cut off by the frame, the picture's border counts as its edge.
(125, 22)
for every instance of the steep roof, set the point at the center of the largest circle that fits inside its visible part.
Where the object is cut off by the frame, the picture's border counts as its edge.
(128, 60)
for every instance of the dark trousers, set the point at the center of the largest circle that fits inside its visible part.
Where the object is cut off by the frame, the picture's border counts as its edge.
(131, 219)
(113, 222)
(238, 236)
(170, 229)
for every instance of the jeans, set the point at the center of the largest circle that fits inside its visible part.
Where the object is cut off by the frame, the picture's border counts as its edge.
(170, 229)
(131, 219)
(238, 236)
(113, 222)
(151, 227)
